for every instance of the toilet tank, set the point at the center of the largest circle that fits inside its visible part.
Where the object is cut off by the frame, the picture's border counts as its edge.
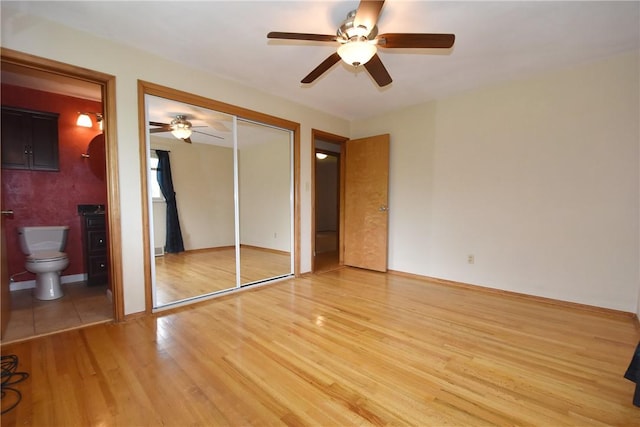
(39, 239)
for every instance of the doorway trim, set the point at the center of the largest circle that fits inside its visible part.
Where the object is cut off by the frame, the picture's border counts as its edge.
(336, 139)
(148, 88)
(107, 83)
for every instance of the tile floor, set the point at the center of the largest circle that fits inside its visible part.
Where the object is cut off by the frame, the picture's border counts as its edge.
(80, 305)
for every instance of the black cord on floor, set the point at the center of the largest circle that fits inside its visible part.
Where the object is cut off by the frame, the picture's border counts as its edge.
(8, 366)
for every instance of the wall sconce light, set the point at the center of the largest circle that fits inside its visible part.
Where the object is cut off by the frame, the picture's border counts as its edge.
(84, 120)
(321, 156)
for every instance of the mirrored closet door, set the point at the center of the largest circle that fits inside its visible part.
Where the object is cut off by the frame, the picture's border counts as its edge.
(265, 194)
(220, 197)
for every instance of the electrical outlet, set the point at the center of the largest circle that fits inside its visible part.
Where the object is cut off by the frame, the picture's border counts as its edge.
(471, 259)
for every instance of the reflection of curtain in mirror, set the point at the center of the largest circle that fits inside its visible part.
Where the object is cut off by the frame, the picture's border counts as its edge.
(174, 241)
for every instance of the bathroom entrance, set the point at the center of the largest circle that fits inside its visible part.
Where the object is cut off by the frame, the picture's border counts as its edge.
(50, 196)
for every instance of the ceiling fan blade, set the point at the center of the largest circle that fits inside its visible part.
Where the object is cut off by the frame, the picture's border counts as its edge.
(163, 127)
(320, 69)
(408, 40)
(376, 68)
(220, 127)
(367, 13)
(158, 124)
(302, 36)
(208, 134)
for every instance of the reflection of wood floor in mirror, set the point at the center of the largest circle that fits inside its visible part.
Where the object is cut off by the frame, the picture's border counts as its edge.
(193, 273)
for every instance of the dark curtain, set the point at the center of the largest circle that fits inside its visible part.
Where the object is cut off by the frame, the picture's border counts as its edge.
(174, 241)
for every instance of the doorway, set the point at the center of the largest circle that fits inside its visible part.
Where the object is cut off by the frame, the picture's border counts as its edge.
(328, 219)
(362, 203)
(33, 74)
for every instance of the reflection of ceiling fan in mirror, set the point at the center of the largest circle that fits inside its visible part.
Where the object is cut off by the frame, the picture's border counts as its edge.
(179, 127)
(359, 40)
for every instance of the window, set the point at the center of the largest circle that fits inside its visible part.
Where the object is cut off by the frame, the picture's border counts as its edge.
(156, 194)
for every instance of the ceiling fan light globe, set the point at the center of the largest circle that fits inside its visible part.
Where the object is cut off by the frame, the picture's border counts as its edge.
(357, 53)
(181, 127)
(181, 132)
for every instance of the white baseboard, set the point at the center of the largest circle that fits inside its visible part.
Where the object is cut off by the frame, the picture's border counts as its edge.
(30, 284)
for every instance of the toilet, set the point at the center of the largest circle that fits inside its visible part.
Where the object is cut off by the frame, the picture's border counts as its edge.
(43, 248)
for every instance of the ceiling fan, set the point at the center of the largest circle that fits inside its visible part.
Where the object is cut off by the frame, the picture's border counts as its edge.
(179, 127)
(359, 40)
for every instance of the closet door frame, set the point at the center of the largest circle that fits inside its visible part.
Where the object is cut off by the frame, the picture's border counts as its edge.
(148, 88)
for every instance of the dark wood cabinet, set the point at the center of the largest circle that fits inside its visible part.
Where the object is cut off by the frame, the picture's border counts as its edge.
(29, 139)
(94, 233)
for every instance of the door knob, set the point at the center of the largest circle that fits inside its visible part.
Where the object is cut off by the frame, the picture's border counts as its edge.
(7, 212)
(383, 208)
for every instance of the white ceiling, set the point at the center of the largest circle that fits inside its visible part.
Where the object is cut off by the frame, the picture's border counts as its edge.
(495, 41)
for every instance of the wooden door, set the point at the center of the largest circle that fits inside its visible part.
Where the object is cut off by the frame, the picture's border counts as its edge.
(366, 202)
(5, 297)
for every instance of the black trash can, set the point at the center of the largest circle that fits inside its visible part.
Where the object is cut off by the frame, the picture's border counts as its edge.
(633, 374)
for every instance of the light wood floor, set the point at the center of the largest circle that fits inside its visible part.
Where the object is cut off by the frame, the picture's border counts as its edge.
(194, 273)
(327, 261)
(344, 348)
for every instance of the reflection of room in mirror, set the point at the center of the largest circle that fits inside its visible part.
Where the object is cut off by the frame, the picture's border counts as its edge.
(207, 126)
(264, 181)
(204, 176)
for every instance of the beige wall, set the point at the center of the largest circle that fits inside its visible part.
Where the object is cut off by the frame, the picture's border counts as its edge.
(538, 179)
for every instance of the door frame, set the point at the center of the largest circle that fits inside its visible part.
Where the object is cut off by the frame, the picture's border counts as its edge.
(5, 296)
(107, 83)
(340, 140)
(148, 88)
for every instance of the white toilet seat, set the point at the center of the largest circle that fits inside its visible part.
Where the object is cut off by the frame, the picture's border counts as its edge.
(46, 256)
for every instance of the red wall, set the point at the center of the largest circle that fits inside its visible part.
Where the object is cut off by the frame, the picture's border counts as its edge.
(51, 198)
